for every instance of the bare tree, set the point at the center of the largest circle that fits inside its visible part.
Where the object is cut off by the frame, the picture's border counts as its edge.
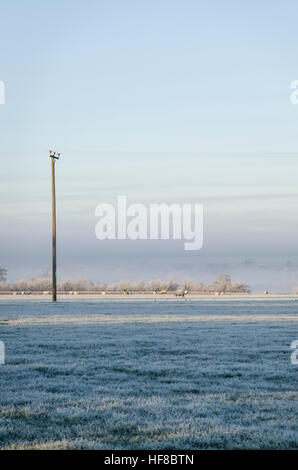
(21, 285)
(221, 284)
(82, 284)
(138, 286)
(125, 286)
(66, 285)
(239, 287)
(186, 285)
(4, 286)
(171, 285)
(155, 285)
(101, 287)
(40, 284)
(3, 274)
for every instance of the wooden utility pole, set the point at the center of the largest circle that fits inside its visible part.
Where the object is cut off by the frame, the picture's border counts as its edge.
(54, 157)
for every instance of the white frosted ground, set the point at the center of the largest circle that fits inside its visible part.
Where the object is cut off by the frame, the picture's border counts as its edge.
(156, 375)
(120, 320)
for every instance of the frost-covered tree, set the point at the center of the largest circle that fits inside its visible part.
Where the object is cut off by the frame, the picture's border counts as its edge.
(223, 284)
(4, 286)
(100, 287)
(65, 285)
(125, 286)
(155, 285)
(186, 284)
(82, 285)
(139, 286)
(171, 285)
(21, 285)
(40, 284)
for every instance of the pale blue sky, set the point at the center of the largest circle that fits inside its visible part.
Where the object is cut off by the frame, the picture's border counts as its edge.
(135, 94)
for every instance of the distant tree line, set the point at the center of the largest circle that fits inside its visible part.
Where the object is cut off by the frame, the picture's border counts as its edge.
(221, 285)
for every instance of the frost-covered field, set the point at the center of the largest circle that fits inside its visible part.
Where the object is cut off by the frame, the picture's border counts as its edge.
(153, 375)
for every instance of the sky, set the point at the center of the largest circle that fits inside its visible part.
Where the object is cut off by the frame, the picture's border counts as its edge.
(161, 101)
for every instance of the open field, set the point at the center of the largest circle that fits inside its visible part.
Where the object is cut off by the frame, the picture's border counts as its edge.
(134, 374)
(136, 297)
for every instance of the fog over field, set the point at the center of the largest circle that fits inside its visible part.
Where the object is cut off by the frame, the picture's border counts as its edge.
(249, 227)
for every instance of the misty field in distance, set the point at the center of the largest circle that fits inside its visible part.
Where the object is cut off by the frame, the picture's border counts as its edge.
(148, 375)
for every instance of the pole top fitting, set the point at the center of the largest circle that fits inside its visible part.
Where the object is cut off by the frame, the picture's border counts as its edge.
(54, 154)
